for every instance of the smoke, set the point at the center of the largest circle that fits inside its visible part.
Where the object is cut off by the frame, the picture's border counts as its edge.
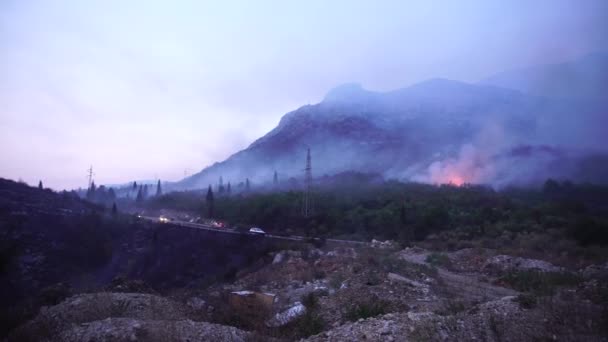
(474, 162)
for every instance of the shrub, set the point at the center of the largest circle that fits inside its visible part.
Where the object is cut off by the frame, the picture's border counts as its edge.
(309, 324)
(336, 280)
(373, 279)
(526, 300)
(319, 274)
(366, 309)
(451, 307)
(439, 259)
(539, 282)
(309, 300)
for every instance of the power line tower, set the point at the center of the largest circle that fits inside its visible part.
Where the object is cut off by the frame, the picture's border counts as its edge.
(307, 207)
(90, 175)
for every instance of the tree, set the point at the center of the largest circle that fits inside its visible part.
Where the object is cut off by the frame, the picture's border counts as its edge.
(275, 178)
(247, 185)
(140, 195)
(228, 189)
(145, 191)
(159, 191)
(91, 192)
(551, 187)
(100, 194)
(221, 188)
(112, 194)
(210, 201)
(40, 185)
(134, 186)
(114, 209)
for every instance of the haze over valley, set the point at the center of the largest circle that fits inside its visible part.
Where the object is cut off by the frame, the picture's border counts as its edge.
(304, 171)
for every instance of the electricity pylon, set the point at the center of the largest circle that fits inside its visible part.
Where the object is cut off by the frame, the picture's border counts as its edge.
(307, 206)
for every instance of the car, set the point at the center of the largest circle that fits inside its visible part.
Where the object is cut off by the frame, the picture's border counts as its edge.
(256, 230)
(163, 219)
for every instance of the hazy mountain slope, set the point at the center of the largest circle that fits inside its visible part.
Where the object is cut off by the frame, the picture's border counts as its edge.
(582, 79)
(402, 134)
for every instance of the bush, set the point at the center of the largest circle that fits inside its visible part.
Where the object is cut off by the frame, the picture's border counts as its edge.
(539, 282)
(336, 280)
(366, 309)
(526, 300)
(439, 259)
(451, 307)
(588, 231)
(309, 300)
(309, 324)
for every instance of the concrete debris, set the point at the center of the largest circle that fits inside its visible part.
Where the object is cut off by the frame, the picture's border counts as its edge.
(284, 317)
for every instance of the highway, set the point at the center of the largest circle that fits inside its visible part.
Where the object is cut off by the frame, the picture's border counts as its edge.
(232, 231)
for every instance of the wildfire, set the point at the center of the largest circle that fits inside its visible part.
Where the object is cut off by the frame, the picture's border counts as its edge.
(456, 180)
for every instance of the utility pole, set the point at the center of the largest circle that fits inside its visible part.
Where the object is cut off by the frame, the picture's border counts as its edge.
(307, 207)
(90, 175)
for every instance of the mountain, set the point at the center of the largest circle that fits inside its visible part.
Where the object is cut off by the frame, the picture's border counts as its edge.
(582, 79)
(435, 131)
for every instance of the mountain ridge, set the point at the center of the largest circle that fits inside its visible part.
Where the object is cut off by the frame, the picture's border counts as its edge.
(403, 133)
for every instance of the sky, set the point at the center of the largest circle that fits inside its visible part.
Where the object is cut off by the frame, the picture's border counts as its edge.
(146, 89)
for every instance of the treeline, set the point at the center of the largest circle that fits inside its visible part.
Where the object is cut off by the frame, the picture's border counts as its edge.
(359, 208)
(128, 196)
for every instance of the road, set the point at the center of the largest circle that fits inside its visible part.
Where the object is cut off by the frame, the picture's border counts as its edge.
(231, 231)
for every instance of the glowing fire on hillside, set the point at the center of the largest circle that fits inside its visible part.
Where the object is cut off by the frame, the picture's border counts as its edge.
(456, 180)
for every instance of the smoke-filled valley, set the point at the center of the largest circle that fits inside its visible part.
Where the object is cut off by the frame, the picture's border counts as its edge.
(306, 171)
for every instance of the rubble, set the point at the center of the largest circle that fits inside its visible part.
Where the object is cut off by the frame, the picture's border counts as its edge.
(196, 303)
(413, 283)
(129, 329)
(284, 317)
(505, 263)
(388, 244)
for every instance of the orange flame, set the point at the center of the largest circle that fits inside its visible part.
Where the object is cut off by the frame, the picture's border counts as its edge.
(456, 180)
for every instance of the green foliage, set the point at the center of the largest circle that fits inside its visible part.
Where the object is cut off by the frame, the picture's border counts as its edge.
(365, 309)
(451, 307)
(311, 323)
(336, 280)
(405, 212)
(309, 300)
(439, 259)
(542, 283)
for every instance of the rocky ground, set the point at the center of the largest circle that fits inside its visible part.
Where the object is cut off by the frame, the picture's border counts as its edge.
(376, 293)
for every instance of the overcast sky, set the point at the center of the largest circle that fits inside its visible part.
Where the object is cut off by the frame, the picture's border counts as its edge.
(145, 89)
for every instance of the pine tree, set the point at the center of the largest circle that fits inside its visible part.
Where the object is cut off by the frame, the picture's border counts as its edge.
(228, 189)
(100, 194)
(91, 192)
(134, 186)
(275, 179)
(112, 194)
(114, 209)
(220, 188)
(210, 201)
(247, 185)
(40, 185)
(145, 191)
(159, 191)
(140, 195)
